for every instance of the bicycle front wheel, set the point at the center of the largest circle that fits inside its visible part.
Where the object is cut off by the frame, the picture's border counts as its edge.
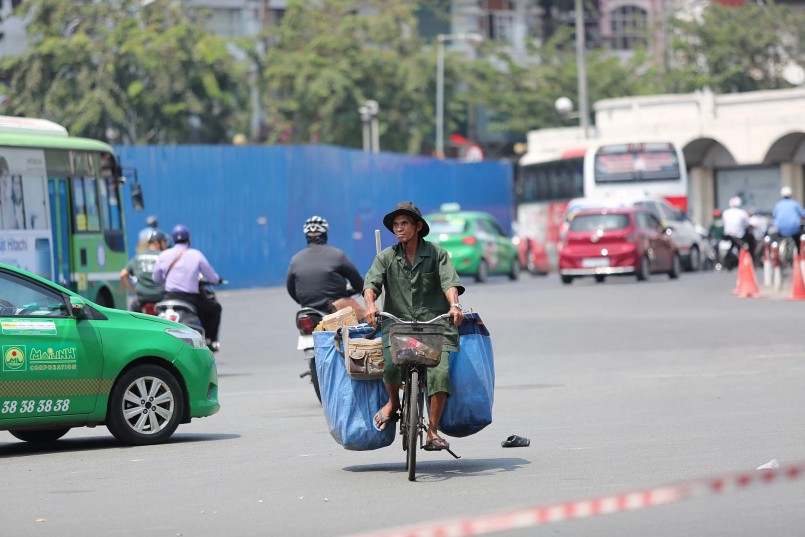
(413, 423)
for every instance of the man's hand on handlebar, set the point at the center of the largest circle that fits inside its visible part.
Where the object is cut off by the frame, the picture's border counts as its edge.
(371, 315)
(457, 315)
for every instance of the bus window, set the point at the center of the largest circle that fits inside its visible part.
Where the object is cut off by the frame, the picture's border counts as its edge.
(109, 205)
(91, 199)
(86, 216)
(79, 212)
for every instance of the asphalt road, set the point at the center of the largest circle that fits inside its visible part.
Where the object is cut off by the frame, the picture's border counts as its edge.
(620, 386)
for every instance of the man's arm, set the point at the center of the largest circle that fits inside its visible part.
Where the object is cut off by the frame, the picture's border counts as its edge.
(159, 273)
(452, 299)
(350, 272)
(206, 270)
(290, 284)
(369, 298)
(125, 279)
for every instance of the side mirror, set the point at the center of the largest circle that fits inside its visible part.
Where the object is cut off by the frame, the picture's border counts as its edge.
(78, 308)
(137, 196)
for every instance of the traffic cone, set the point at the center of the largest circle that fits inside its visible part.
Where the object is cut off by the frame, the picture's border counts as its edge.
(798, 290)
(747, 284)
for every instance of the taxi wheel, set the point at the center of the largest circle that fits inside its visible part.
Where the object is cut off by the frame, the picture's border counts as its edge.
(146, 406)
(567, 280)
(515, 270)
(600, 278)
(483, 271)
(41, 436)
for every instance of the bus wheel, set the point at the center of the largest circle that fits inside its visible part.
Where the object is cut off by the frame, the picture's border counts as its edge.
(104, 298)
(567, 279)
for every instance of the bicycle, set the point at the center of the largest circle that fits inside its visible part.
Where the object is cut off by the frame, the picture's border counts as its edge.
(416, 346)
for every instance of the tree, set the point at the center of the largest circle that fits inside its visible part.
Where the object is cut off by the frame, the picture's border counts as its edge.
(153, 74)
(521, 94)
(735, 49)
(327, 58)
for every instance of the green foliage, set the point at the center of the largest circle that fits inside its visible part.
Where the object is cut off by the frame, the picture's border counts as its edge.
(325, 60)
(147, 72)
(521, 94)
(736, 49)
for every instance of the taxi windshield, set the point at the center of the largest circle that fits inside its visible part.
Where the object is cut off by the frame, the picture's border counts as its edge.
(451, 226)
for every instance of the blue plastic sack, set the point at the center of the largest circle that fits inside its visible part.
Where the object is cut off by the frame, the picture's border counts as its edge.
(472, 381)
(350, 405)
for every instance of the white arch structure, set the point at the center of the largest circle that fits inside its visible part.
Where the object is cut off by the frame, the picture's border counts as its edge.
(757, 137)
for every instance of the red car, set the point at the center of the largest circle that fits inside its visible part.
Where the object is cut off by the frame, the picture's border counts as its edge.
(617, 241)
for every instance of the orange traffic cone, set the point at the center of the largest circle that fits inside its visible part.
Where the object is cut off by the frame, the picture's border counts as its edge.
(798, 291)
(747, 284)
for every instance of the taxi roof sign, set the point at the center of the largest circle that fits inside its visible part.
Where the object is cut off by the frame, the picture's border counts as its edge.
(24, 125)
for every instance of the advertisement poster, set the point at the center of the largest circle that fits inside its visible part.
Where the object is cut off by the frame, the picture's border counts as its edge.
(25, 234)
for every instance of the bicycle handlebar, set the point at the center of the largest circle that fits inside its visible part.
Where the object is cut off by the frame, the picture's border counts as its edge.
(394, 317)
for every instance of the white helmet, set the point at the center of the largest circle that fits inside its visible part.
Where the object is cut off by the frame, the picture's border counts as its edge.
(735, 201)
(315, 225)
(786, 192)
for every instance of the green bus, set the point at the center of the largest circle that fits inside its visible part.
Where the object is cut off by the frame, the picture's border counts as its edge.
(61, 215)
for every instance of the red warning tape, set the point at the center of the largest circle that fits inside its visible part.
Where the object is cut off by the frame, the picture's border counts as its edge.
(547, 514)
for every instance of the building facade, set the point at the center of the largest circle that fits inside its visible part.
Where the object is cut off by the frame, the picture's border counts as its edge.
(741, 144)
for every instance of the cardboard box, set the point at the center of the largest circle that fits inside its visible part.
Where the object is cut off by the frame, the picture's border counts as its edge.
(343, 317)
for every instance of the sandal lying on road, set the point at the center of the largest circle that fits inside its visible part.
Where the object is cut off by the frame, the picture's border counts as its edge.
(516, 441)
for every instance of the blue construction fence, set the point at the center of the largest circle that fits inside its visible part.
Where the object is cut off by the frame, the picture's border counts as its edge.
(245, 205)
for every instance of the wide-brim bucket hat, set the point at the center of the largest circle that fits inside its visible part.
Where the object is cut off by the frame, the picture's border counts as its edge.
(407, 208)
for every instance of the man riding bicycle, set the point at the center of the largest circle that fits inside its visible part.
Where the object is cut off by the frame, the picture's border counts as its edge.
(420, 283)
(788, 215)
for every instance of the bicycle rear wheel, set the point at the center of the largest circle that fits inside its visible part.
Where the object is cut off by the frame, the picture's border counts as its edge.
(412, 423)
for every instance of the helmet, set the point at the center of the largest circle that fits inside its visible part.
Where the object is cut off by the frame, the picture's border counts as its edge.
(315, 225)
(735, 202)
(157, 236)
(786, 192)
(180, 234)
(716, 213)
(151, 221)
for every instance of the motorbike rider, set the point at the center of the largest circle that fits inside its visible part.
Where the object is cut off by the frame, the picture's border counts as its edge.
(316, 276)
(788, 215)
(737, 227)
(179, 268)
(151, 223)
(141, 268)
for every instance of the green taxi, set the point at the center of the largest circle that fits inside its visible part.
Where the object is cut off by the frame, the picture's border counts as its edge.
(68, 362)
(475, 241)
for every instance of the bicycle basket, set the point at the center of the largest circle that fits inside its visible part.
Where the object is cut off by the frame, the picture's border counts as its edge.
(416, 344)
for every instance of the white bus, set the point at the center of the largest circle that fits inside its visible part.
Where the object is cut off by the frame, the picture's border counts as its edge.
(549, 175)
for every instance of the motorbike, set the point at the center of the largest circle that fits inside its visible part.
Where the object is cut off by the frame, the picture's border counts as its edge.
(728, 252)
(306, 321)
(185, 313)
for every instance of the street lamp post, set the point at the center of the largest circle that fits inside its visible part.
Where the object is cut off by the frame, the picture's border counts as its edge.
(441, 39)
(371, 128)
(584, 111)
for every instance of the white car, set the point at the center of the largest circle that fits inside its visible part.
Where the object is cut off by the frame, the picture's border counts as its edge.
(692, 245)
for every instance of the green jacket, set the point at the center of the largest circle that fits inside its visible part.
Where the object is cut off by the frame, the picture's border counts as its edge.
(415, 292)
